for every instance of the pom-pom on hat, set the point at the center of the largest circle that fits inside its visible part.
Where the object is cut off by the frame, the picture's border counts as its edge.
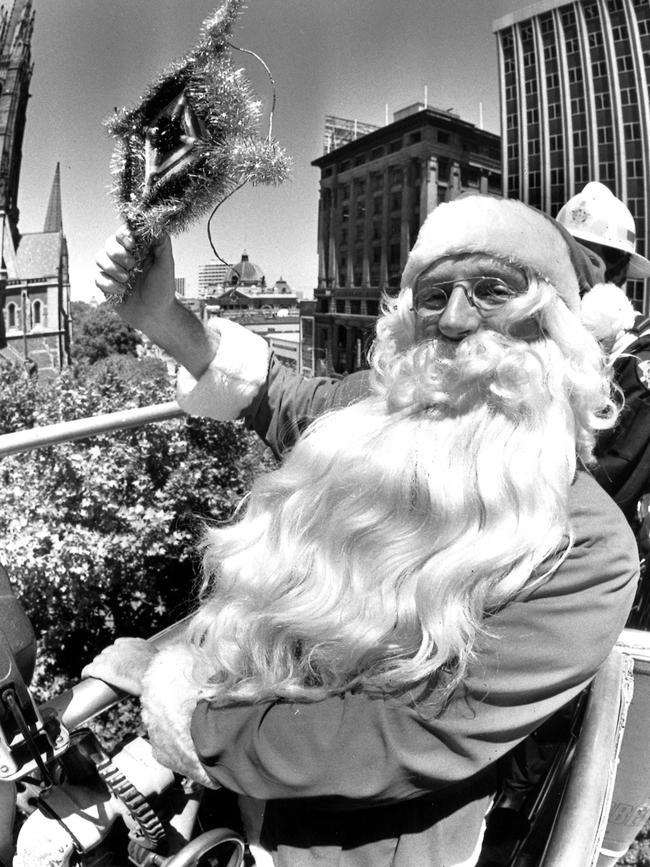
(504, 228)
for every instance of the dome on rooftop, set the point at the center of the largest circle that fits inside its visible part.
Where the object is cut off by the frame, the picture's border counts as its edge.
(245, 273)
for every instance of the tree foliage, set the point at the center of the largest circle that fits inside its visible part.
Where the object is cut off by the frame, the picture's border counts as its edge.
(99, 535)
(98, 332)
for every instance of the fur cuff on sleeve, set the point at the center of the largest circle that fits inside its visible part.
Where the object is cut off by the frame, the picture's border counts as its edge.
(169, 697)
(235, 376)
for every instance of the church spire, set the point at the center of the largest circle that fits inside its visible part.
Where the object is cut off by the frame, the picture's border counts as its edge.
(54, 217)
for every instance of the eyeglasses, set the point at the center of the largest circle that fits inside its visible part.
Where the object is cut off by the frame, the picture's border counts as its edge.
(483, 293)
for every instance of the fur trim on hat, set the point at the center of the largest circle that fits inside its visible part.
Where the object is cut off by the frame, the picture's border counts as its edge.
(504, 228)
(606, 311)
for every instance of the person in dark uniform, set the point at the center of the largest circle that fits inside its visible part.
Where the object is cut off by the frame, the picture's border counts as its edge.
(605, 226)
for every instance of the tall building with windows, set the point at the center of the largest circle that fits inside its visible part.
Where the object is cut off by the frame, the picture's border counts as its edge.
(375, 192)
(212, 276)
(575, 106)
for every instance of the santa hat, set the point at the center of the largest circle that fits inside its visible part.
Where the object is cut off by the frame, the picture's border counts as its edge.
(525, 237)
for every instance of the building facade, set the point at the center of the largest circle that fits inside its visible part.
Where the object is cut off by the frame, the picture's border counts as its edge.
(575, 106)
(34, 280)
(375, 192)
(37, 294)
(212, 276)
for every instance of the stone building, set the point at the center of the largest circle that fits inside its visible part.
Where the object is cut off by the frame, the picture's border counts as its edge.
(34, 280)
(375, 192)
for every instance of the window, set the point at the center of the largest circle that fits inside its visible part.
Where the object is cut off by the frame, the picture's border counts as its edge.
(546, 25)
(581, 174)
(568, 17)
(625, 63)
(579, 138)
(529, 59)
(534, 179)
(595, 39)
(550, 52)
(615, 5)
(512, 151)
(600, 69)
(532, 116)
(575, 75)
(508, 65)
(572, 45)
(605, 135)
(345, 165)
(376, 153)
(602, 100)
(415, 137)
(11, 315)
(531, 87)
(512, 121)
(628, 96)
(634, 168)
(361, 209)
(552, 80)
(443, 137)
(632, 131)
(554, 110)
(636, 207)
(360, 160)
(510, 93)
(578, 105)
(395, 146)
(591, 11)
(359, 187)
(556, 142)
(36, 312)
(620, 33)
(396, 201)
(533, 147)
(344, 191)
(557, 177)
(644, 27)
(607, 172)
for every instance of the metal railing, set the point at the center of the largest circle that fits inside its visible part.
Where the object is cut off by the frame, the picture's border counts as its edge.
(66, 431)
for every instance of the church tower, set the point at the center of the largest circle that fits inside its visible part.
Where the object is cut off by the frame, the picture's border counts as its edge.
(34, 281)
(16, 27)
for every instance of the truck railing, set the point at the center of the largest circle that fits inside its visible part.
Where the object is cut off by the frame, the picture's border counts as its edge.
(52, 434)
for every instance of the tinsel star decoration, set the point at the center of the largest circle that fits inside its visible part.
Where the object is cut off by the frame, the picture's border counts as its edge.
(193, 139)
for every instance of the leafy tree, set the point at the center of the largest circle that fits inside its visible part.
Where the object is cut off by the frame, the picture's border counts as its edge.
(98, 332)
(99, 535)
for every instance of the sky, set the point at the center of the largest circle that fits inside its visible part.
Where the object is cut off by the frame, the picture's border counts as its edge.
(350, 58)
